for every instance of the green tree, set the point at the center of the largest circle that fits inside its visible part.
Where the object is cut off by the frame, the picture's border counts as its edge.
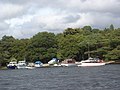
(44, 46)
(88, 28)
(111, 27)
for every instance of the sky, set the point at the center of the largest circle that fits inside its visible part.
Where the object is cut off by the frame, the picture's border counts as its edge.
(25, 18)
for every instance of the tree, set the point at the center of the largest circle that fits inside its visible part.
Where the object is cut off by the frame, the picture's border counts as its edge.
(72, 43)
(68, 47)
(5, 49)
(70, 31)
(88, 28)
(111, 27)
(44, 46)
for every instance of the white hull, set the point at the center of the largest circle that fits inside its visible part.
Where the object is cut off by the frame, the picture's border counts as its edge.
(38, 65)
(21, 67)
(57, 65)
(91, 64)
(28, 67)
(69, 64)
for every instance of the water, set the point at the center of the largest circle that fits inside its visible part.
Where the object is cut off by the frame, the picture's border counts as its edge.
(62, 78)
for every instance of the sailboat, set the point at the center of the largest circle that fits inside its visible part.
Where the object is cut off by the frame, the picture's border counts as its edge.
(91, 61)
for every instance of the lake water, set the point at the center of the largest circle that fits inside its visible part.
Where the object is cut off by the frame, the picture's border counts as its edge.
(62, 78)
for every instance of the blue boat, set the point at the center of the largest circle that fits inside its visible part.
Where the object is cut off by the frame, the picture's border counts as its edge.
(12, 65)
(38, 64)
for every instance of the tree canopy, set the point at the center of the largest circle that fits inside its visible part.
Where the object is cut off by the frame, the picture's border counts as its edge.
(75, 43)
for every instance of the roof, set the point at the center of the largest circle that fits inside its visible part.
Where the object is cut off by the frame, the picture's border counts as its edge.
(38, 62)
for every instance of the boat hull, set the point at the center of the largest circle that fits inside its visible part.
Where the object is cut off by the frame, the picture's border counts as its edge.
(91, 64)
(28, 67)
(11, 67)
(21, 67)
(38, 65)
(69, 65)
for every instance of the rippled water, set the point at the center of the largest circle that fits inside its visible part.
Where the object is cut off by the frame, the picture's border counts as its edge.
(62, 78)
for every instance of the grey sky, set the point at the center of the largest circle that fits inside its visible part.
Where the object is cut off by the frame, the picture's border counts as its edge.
(24, 18)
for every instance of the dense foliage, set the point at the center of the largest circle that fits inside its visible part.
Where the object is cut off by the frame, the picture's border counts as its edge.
(78, 43)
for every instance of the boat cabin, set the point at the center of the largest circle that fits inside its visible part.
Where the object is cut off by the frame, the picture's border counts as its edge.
(66, 61)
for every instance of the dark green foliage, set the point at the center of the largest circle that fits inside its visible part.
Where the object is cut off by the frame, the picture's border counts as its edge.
(75, 43)
(87, 28)
(43, 46)
(70, 31)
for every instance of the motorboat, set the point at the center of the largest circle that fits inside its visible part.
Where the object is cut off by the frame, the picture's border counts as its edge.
(68, 62)
(21, 64)
(38, 64)
(92, 62)
(12, 65)
(30, 66)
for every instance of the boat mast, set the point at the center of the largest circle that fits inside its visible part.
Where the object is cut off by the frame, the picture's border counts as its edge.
(88, 50)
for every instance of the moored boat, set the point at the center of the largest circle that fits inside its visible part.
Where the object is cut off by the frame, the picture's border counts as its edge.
(30, 66)
(54, 62)
(12, 65)
(68, 62)
(21, 64)
(38, 64)
(92, 62)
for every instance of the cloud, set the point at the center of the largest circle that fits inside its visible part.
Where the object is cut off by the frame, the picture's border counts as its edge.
(24, 18)
(71, 18)
(9, 10)
(3, 26)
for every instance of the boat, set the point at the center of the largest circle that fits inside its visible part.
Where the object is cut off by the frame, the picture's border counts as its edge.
(38, 64)
(68, 62)
(53, 61)
(12, 65)
(21, 64)
(92, 62)
(30, 66)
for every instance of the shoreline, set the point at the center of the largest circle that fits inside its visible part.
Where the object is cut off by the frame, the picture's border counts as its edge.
(46, 65)
(114, 62)
(3, 68)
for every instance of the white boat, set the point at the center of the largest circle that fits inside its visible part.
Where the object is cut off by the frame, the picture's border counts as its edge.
(53, 61)
(38, 64)
(92, 62)
(21, 64)
(30, 66)
(68, 62)
(12, 65)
